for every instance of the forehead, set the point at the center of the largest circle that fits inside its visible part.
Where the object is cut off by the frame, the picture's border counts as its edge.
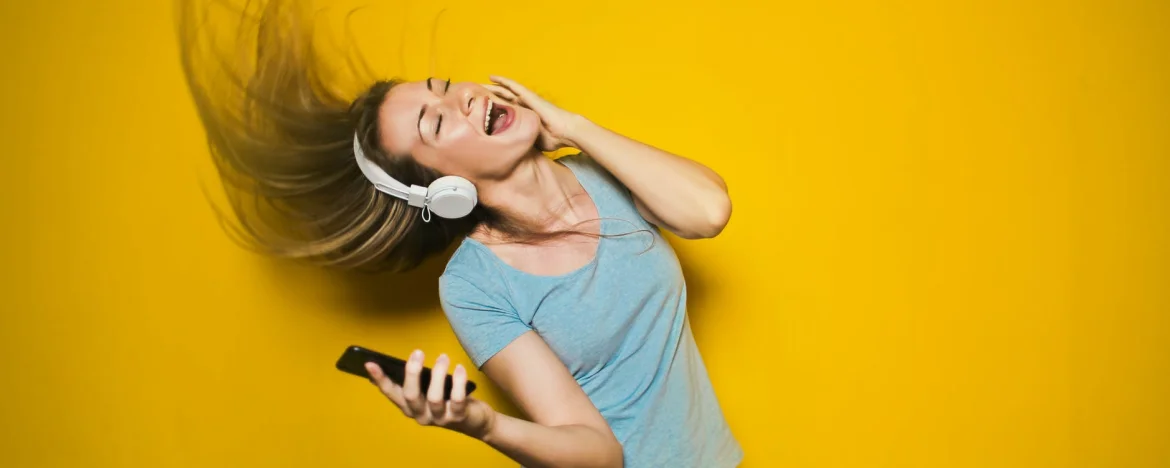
(398, 117)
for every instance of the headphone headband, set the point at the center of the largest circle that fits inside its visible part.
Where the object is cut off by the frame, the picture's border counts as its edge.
(414, 195)
(449, 197)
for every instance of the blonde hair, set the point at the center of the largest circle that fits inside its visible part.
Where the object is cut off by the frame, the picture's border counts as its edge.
(281, 140)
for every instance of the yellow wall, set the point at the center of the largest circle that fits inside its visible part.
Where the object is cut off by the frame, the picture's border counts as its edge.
(949, 245)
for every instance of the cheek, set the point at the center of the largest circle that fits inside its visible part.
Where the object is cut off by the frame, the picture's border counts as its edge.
(466, 152)
(528, 128)
(461, 152)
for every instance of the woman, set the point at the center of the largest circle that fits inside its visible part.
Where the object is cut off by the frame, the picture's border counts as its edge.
(561, 290)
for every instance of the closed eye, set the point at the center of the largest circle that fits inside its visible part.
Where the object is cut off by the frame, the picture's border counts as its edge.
(439, 121)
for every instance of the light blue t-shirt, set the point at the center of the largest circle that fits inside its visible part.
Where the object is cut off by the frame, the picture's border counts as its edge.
(619, 324)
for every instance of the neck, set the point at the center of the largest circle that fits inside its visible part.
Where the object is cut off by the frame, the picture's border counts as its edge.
(541, 194)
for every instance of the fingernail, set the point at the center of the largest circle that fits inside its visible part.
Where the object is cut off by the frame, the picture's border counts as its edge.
(416, 355)
(459, 370)
(442, 359)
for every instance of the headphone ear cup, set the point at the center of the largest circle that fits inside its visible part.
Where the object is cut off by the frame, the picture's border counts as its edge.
(451, 197)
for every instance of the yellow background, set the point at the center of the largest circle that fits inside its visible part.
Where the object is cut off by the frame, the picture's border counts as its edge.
(949, 245)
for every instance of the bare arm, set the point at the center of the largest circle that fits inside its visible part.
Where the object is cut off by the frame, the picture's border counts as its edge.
(566, 429)
(673, 192)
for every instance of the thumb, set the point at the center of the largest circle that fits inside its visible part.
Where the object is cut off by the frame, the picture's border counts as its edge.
(547, 141)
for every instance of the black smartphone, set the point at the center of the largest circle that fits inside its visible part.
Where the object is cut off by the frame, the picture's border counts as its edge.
(354, 359)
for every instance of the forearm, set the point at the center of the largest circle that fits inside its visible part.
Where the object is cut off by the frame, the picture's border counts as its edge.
(688, 197)
(535, 445)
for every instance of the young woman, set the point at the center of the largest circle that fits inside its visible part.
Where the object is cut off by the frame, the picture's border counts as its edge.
(561, 289)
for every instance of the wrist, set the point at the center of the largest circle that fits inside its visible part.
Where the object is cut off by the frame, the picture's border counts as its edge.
(577, 126)
(487, 430)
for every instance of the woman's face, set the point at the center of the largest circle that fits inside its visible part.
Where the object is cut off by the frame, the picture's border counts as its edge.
(448, 127)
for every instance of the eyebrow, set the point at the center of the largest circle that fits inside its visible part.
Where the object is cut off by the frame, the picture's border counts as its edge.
(423, 110)
(420, 116)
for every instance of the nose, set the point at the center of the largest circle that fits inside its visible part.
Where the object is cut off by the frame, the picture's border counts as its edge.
(463, 99)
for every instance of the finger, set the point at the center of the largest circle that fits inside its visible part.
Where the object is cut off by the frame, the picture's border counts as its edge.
(459, 393)
(502, 92)
(410, 387)
(435, 400)
(387, 386)
(513, 86)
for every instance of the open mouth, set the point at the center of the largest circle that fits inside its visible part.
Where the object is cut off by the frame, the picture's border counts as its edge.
(496, 118)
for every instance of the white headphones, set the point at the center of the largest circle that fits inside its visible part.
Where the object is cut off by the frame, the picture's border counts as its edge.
(450, 197)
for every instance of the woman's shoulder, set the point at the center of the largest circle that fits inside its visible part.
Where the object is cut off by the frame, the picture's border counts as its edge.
(467, 262)
(597, 179)
(471, 265)
(584, 166)
(613, 199)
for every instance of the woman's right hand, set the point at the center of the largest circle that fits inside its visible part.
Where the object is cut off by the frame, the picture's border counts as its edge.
(426, 406)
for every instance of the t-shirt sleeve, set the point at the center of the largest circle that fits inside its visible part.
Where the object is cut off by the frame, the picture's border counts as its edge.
(483, 324)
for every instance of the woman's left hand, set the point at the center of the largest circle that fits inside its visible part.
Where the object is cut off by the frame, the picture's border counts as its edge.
(556, 124)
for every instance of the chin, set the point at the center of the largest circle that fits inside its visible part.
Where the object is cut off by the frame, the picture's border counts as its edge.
(527, 127)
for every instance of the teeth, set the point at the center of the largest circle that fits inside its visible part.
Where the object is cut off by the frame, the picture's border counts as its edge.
(487, 118)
